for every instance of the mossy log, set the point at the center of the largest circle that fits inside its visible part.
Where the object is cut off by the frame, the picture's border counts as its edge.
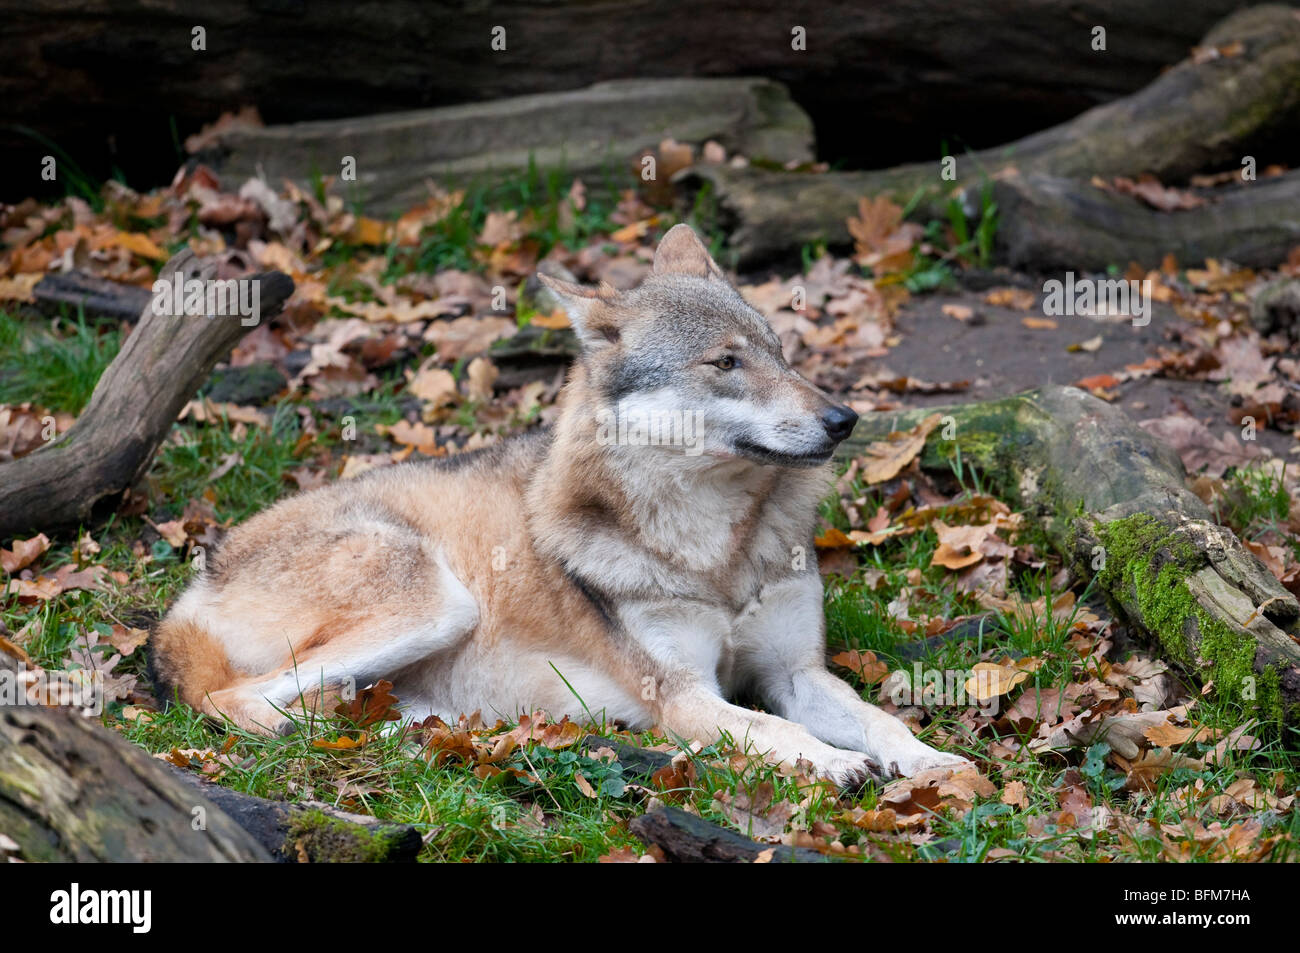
(1114, 502)
(73, 791)
(1196, 116)
(311, 831)
(163, 361)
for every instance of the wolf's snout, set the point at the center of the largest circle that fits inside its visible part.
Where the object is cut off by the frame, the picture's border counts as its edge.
(838, 421)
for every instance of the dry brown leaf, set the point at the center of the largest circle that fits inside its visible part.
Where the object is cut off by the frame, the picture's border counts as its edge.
(434, 385)
(1149, 190)
(885, 459)
(1166, 735)
(24, 553)
(991, 680)
(1019, 299)
(862, 663)
(959, 546)
(1014, 794)
(481, 375)
(554, 321)
(126, 641)
(1145, 773)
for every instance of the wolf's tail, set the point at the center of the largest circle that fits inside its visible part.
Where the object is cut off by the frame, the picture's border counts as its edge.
(185, 662)
(163, 690)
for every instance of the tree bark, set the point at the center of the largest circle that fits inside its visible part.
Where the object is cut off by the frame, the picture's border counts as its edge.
(1054, 224)
(1193, 117)
(73, 791)
(162, 363)
(638, 763)
(1114, 503)
(878, 78)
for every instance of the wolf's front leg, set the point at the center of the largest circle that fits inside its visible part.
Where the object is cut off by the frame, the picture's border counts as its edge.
(784, 657)
(681, 643)
(692, 711)
(818, 697)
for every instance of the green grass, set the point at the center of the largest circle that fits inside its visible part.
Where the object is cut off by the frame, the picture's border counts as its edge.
(462, 817)
(55, 366)
(1255, 501)
(185, 464)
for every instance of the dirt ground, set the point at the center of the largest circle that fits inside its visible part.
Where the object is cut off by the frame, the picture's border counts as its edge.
(1000, 356)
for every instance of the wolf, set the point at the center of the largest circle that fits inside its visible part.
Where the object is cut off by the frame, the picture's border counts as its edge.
(583, 570)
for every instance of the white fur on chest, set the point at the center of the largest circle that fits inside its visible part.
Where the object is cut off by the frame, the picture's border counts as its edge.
(724, 647)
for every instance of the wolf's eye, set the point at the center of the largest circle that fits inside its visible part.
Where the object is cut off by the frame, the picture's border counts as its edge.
(724, 363)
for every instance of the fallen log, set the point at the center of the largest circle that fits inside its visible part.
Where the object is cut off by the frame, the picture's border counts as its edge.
(162, 363)
(1195, 116)
(638, 763)
(310, 831)
(687, 839)
(82, 73)
(97, 297)
(1114, 503)
(73, 791)
(1054, 224)
(594, 134)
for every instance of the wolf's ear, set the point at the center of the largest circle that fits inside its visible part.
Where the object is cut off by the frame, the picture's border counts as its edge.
(591, 322)
(681, 252)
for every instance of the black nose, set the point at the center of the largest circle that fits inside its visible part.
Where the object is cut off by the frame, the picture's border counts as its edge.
(838, 422)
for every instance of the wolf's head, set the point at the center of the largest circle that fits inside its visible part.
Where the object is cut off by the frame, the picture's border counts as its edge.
(682, 360)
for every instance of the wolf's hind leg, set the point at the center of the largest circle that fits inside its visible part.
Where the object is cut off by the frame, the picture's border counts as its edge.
(351, 658)
(362, 650)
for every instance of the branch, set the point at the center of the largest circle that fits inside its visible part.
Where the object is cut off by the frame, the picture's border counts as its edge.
(162, 363)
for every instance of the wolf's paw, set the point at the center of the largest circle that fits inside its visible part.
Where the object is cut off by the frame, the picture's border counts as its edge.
(927, 759)
(850, 770)
(253, 714)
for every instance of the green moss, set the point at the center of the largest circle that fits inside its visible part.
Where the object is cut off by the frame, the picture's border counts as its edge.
(1147, 563)
(984, 444)
(328, 840)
